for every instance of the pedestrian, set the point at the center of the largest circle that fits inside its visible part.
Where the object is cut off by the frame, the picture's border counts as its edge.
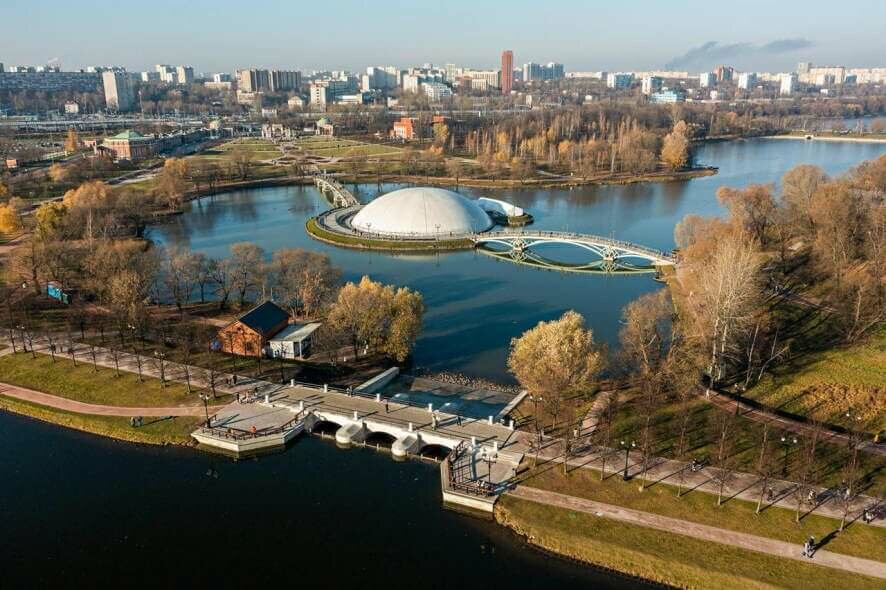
(386, 407)
(811, 551)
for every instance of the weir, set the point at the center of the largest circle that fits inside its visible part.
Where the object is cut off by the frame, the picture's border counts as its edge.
(490, 449)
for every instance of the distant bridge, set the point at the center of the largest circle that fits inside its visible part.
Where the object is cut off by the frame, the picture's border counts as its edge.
(335, 191)
(607, 255)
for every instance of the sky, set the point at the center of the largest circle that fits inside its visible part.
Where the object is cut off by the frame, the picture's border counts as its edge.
(222, 35)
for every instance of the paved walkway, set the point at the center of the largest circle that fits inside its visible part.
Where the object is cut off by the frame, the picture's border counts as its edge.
(763, 416)
(745, 486)
(63, 403)
(704, 532)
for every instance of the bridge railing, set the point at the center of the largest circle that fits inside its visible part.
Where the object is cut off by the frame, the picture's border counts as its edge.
(233, 433)
(573, 236)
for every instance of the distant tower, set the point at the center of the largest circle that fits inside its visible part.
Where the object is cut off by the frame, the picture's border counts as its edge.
(507, 71)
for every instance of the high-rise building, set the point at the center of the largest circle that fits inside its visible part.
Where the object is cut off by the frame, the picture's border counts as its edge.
(747, 80)
(620, 80)
(118, 91)
(533, 72)
(167, 73)
(706, 80)
(788, 82)
(651, 84)
(254, 80)
(436, 91)
(184, 75)
(803, 67)
(507, 71)
(724, 73)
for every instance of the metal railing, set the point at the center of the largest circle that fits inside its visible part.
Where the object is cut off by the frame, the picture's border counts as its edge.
(232, 433)
(475, 487)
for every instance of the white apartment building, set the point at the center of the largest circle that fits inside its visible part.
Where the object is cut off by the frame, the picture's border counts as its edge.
(436, 91)
(788, 82)
(619, 80)
(747, 80)
(706, 80)
(651, 84)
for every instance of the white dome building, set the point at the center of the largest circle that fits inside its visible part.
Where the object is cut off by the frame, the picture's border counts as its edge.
(422, 211)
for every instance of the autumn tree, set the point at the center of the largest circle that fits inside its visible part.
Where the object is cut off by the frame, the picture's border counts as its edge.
(377, 316)
(72, 141)
(675, 149)
(752, 209)
(455, 169)
(9, 220)
(172, 181)
(303, 279)
(798, 187)
(557, 360)
(441, 134)
(50, 218)
(247, 269)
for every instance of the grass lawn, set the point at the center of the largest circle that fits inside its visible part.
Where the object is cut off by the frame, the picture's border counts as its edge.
(738, 515)
(83, 384)
(157, 431)
(829, 383)
(665, 557)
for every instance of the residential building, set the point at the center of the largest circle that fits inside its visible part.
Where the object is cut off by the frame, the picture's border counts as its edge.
(295, 102)
(788, 83)
(533, 72)
(436, 91)
(747, 80)
(250, 333)
(507, 71)
(651, 84)
(325, 92)
(404, 128)
(167, 73)
(150, 76)
(283, 80)
(825, 79)
(184, 75)
(20, 78)
(706, 80)
(119, 94)
(724, 73)
(490, 79)
(619, 80)
(803, 67)
(72, 108)
(379, 78)
(221, 77)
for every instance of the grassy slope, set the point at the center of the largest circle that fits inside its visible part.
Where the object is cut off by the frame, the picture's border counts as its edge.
(776, 523)
(664, 557)
(831, 382)
(83, 384)
(157, 431)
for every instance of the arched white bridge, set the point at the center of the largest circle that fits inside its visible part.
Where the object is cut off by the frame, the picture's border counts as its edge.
(335, 191)
(608, 255)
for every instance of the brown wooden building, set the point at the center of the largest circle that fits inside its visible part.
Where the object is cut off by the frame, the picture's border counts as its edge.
(249, 334)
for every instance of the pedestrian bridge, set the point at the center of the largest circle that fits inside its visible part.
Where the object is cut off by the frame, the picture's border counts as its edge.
(335, 191)
(603, 255)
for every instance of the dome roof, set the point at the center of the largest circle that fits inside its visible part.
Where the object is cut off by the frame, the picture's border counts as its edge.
(422, 211)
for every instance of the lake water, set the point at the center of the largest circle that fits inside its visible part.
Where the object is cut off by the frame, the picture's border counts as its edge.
(81, 511)
(475, 304)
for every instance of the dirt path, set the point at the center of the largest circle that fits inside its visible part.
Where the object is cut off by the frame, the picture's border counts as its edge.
(69, 405)
(782, 549)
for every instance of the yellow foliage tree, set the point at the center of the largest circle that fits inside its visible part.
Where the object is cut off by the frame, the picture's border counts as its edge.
(675, 150)
(9, 221)
(72, 141)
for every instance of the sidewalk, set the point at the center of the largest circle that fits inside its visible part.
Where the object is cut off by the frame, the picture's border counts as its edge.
(744, 486)
(699, 531)
(69, 405)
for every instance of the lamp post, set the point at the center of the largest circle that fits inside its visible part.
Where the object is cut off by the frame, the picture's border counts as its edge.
(627, 446)
(161, 357)
(786, 443)
(205, 397)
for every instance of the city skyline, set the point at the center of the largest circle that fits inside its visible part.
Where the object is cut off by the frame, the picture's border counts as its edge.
(215, 37)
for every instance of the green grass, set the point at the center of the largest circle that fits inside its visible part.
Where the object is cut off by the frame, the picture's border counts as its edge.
(665, 557)
(827, 384)
(777, 523)
(157, 431)
(377, 244)
(83, 384)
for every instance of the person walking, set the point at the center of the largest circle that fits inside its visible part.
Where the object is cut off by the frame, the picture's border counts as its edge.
(805, 552)
(811, 551)
(386, 407)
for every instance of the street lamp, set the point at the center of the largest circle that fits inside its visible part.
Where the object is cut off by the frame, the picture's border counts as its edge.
(627, 446)
(205, 397)
(786, 443)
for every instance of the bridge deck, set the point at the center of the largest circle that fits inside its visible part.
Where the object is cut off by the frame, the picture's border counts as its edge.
(284, 402)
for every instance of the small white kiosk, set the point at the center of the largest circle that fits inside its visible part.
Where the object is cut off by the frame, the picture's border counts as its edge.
(293, 341)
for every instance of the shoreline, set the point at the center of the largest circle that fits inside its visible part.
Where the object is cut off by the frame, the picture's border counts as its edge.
(814, 137)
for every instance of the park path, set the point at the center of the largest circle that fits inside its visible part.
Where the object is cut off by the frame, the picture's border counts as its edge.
(763, 416)
(781, 549)
(69, 405)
